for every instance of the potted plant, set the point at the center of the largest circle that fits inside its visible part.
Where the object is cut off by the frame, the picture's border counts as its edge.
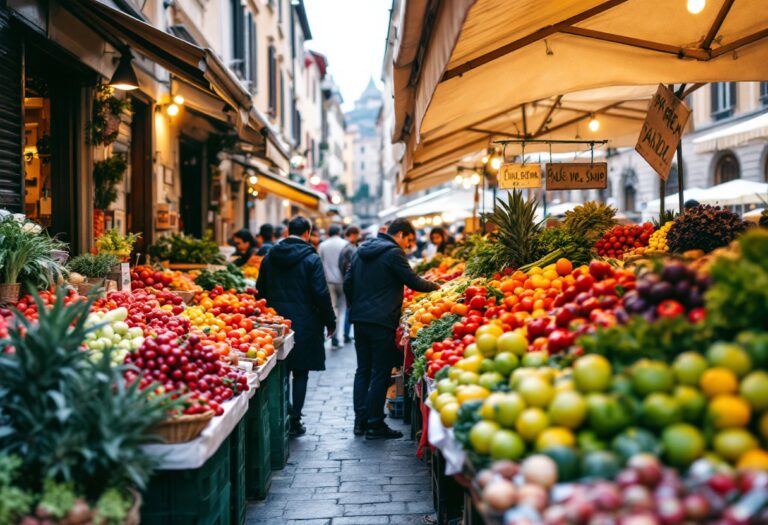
(105, 120)
(91, 268)
(27, 256)
(106, 175)
(72, 426)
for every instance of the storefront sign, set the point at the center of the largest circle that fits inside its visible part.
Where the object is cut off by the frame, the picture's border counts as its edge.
(163, 217)
(577, 176)
(662, 130)
(515, 176)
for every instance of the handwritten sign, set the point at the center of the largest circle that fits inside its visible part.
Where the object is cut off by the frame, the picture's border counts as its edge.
(662, 130)
(515, 176)
(577, 176)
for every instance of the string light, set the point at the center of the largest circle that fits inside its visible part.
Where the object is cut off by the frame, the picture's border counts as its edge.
(475, 179)
(696, 6)
(594, 125)
(253, 180)
(172, 110)
(178, 99)
(485, 159)
(496, 163)
(314, 180)
(458, 179)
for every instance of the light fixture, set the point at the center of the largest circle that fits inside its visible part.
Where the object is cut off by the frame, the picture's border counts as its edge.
(336, 199)
(485, 159)
(314, 180)
(124, 77)
(458, 179)
(594, 124)
(448, 217)
(696, 6)
(474, 179)
(429, 221)
(496, 163)
(253, 179)
(172, 110)
(178, 99)
(297, 161)
(437, 220)
(466, 183)
(286, 202)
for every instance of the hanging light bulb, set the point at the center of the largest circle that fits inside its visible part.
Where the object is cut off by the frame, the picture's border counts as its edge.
(178, 99)
(286, 202)
(253, 179)
(458, 179)
(124, 77)
(437, 220)
(475, 179)
(594, 124)
(696, 6)
(466, 183)
(485, 159)
(496, 163)
(172, 110)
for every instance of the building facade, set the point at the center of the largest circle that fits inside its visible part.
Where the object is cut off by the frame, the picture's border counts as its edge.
(364, 126)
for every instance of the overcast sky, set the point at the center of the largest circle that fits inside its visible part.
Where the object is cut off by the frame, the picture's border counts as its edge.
(351, 33)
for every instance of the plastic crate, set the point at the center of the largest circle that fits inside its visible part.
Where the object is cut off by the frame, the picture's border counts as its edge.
(237, 474)
(396, 407)
(258, 457)
(190, 497)
(278, 415)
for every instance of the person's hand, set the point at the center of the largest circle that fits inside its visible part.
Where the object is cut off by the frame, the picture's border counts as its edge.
(331, 332)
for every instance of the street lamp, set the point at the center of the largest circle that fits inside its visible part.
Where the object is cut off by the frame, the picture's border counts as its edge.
(124, 77)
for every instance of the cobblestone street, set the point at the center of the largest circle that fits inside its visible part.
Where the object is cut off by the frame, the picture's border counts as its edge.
(335, 478)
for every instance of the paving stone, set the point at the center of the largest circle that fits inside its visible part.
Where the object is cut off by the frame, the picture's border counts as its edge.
(361, 520)
(312, 509)
(391, 508)
(410, 495)
(358, 498)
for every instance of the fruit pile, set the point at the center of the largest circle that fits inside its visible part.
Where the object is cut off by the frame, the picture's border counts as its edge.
(233, 331)
(675, 290)
(658, 241)
(148, 277)
(111, 331)
(619, 240)
(28, 307)
(182, 281)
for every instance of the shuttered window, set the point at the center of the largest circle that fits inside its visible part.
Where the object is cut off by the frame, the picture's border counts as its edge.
(11, 187)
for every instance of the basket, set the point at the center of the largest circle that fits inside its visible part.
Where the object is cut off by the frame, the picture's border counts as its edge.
(186, 295)
(9, 293)
(134, 514)
(182, 428)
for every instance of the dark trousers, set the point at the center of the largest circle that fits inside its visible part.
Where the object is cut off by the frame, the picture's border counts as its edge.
(347, 325)
(299, 381)
(376, 355)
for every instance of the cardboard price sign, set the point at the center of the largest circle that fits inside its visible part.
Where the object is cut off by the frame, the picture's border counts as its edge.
(662, 130)
(516, 176)
(577, 176)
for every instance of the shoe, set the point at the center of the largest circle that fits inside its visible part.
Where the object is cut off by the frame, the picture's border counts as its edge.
(360, 425)
(335, 344)
(296, 428)
(382, 431)
(348, 340)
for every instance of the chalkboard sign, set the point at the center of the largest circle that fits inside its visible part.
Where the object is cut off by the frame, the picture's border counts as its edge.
(516, 176)
(577, 176)
(662, 130)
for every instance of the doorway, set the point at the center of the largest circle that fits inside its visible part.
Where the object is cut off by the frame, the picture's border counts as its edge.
(192, 163)
(140, 202)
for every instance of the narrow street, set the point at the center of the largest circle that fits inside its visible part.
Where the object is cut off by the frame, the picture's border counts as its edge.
(335, 478)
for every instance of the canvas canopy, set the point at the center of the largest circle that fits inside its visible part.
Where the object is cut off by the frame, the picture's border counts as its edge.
(476, 60)
(735, 192)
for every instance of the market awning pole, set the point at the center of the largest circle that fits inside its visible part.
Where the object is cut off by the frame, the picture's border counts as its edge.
(680, 171)
(662, 197)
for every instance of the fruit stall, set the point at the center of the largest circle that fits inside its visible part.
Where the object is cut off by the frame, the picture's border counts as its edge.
(595, 373)
(163, 401)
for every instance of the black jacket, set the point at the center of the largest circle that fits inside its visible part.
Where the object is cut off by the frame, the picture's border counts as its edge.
(292, 280)
(265, 248)
(345, 258)
(374, 284)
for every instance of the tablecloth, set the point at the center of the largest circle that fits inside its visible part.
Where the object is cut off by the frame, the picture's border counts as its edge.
(286, 347)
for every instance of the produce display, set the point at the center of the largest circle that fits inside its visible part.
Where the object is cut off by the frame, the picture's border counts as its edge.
(112, 242)
(180, 248)
(230, 278)
(621, 240)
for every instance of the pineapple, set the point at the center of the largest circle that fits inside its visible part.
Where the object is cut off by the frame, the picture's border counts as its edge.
(516, 229)
(590, 220)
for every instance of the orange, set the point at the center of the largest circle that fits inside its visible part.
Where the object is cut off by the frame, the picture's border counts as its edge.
(563, 266)
(726, 411)
(755, 459)
(718, 380)
(551, 275)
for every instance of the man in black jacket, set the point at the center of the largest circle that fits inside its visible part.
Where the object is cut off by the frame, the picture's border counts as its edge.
(374, 285)
(292, 280)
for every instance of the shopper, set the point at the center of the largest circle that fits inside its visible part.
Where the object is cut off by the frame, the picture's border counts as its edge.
(267, 238)
(439, 242)
(352, 235)
(292, 281)
(281, 232)
(374, 285)
(314, 238)
(330, 252)
(246, 247)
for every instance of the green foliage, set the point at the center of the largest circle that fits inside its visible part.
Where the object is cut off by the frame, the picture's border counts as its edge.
(427, 265)
(486, 258)
(418, 369)
(436, 331)
(590, 220)
(180, 248)
(105, 107)
(58, 498)
(71, 419)
(94, 266)
(557, 242)
(14, 502)
(26, 254)
(664, 218)
(516, 229)
(738, 297)
(112, 508)
(230, 279)
(106, 175)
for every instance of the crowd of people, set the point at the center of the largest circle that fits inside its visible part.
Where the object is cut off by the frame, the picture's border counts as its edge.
(345, 289)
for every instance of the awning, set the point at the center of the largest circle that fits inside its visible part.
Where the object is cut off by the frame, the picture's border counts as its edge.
(283, 187)
(451, 204)
(195, 65)
(735, 193)
(672, 202)
(733, 135)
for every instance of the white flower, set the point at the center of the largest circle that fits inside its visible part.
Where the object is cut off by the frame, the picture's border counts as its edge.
(20, 217)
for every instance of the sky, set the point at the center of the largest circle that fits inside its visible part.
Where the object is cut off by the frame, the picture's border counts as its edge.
(351, 34)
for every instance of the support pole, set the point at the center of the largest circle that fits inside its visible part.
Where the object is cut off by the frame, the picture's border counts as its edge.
(680, 171)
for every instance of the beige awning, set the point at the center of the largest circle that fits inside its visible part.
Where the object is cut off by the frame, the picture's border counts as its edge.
(484, 58)
(733, 135)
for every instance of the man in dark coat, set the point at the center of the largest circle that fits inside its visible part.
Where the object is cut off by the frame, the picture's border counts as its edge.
(292, 280)
(374, 285)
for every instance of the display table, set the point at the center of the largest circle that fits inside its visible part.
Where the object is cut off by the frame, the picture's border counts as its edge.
(286, 347)
(264, 370)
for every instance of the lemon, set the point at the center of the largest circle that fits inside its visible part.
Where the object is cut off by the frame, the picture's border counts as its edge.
(727, 411)
(718, 380)
(555, 437)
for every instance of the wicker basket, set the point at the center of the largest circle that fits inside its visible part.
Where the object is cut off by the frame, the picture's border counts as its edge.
(134, 514)
(182, 428)
(9, 293)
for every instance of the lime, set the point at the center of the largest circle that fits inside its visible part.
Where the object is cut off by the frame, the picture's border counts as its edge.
(490, 379)
(442, 400)
(692, 403)
(621, 384)
(651, 376)
(606, 415)
(732, 443)
(754, 388)
(506, 444)
(683, 444)
(568, 409)
(730, 355)
(508, 408)
(486, 365)
(688, 368)
(592, 373)
(531, 423)
(512, 342)
(488, 408)
(728, 411)
(589, 441)
(661, 410)
(446, 386)
(481, 434)
(486, 343)
(519, 374)
(468, 378)
(505, 362)
(471, 350)
(555, 437)
(536, 359)
(536, 391)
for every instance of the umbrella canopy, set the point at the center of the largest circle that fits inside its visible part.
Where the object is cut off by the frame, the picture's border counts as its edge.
(478, 63)
(734, 193)
(672, 202)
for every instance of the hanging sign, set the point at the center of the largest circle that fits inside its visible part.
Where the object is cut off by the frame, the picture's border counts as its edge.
(577, 176)
(516, 176)
(662, 130)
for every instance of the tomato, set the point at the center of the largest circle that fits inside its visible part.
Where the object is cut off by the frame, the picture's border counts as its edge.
(477, 302)
(670, 308)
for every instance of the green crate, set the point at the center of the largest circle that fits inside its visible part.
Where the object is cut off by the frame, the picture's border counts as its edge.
(258, 457)
(278, 416)
(237, 474)
(190, 497)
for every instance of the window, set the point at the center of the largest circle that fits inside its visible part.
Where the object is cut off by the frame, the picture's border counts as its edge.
(362, 166)
(723, 99)
(673, 181)
(253, 54)
(238, 38)
(272, 61)
(764, 93)
(282, 101)
(630, 189)
(727, 169)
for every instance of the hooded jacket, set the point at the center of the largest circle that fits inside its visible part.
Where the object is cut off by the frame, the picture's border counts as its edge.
(374, 284)
(292, 280)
